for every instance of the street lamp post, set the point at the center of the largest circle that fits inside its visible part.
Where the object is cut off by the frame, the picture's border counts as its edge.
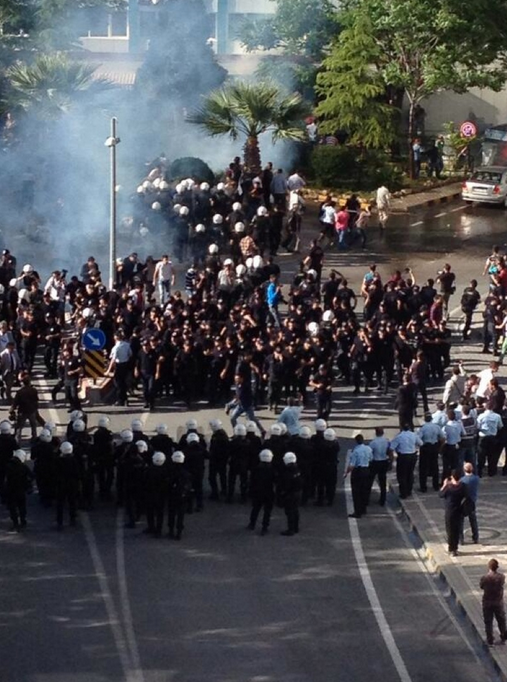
(111, 142)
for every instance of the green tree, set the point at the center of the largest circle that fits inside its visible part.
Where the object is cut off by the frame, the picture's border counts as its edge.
(249, 110)
(50, 86)
(352, 89)
(300, 31)
(429, 46)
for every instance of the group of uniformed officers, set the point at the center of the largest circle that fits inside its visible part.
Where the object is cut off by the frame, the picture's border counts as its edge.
(158, 476)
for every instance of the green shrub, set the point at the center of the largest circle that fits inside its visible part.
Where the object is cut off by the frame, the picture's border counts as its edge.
(350, 167)
(191, 167)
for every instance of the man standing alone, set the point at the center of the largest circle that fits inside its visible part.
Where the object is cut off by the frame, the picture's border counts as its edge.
(492, 585)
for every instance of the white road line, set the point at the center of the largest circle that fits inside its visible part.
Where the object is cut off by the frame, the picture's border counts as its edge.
(106, 594)
(371, 592)
(458, 208)
(419, 222)
(424, 568)
(440, 215)
(125, 600)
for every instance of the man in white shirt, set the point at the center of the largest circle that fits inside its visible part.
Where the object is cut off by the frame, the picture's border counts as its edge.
(383, 205)
(295, 181)
(455, 386)
(483, 389)
(119, 361)
(163, 277)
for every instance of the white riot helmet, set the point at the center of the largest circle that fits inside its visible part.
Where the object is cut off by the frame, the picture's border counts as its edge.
(204, 187)
(305, 432)
(213, 249)
(215, 425)
(275, 430)
(289, 458)
(249, 263)
(184, 211)
(140, 189)
(190, 424)
(23, 294)
(178, 457)
(158, 459)
(45, 436)
(78, 426)
(103, 422)
(220, 186)
(251, 427)
(283, 427)
(262, 211)
(228, 261)
(176, 208)
(257, 262)
(13, 282)
(239, 227)
(313, 328)
(312, 273)
(156, 182)
(189, 182)
(136, 425)
(240, 430)
(161, 429)
(163, 185)
(6, 427)
(236, 206)
(240, 270)
(266, 456)
(27, 269)
(320, 425)
(147, 185)
(127, 436)
(142, 446)
(75, 414)
(156, 206)
(20, 454)
(328, 316)
(180, 188)
(200, 228)
(66, 448)
(87, 312)
(192, 438)
(330, 434)
(50, 426)
(218, 219)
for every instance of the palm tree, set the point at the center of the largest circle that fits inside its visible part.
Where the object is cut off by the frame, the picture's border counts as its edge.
(51, 85)
(250, 109)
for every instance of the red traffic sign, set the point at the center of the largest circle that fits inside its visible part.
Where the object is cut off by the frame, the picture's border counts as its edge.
(468, 129)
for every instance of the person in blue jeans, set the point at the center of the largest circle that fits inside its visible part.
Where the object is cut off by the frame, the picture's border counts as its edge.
(243, 402)
(274, 298)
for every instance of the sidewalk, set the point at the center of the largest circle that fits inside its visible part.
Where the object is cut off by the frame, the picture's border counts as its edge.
(430, 197)
(425, 512)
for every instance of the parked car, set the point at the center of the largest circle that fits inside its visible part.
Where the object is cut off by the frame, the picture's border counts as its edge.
(487, 184)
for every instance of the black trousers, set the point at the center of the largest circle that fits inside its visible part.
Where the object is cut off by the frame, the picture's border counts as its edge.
(155, 513)
(428, 465)
(405, 465)
(121, 372)
(69, 497)
(176, 516)
(488, 453)
(217, 469)
(360, 484)
(17, 508)
(497, 611)
(231, 483)
(326, 485)
(449, 460)
(378, 470)
(291, 508)
(264, 503)
(453, 527)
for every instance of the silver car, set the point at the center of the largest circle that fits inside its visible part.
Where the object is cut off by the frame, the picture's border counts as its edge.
(488, 185)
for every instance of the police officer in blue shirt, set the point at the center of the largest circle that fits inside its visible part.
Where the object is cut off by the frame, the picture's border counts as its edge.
(359, 469)
(381, 451)
(405, 444)
(431, 435)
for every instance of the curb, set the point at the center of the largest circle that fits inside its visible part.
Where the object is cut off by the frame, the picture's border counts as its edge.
(499, 665)
(427, 202)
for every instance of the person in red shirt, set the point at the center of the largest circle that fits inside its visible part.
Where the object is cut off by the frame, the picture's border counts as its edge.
(341, 226)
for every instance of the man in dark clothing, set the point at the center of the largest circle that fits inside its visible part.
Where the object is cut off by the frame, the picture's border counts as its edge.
(67, 484)
(290, 490)
(18, 481)
(148, 362)
(8, 444)
(219, 452)
(26, 405)
(492, 585)
(326, 468)
(195, 454)
(43, 456)
(470, 299)
(406, 402)
(104, 457)
(453, 491)
(179, 490)
(155, 485)
(262, 489)
(240, 457)
(71, 374)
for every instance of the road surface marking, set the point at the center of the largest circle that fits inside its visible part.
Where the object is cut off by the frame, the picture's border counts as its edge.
(424, 568)
(106, 594)
(124, 598)
(371, 592)
(419, 222)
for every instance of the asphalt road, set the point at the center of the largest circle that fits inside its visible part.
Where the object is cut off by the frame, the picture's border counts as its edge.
(344, 600)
